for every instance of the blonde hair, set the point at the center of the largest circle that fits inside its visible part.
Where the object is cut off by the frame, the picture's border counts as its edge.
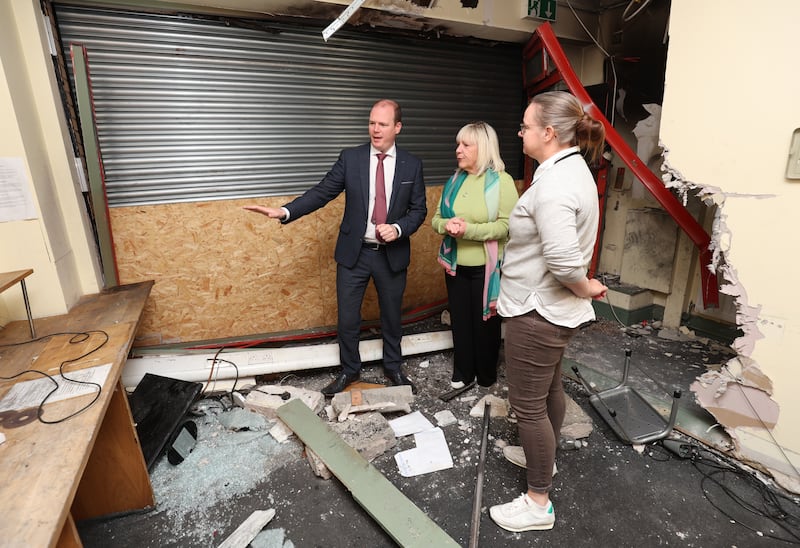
(564, 113)
(483, 136)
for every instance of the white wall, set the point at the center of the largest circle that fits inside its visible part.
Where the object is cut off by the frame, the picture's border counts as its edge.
(730, 107)
(57, 243)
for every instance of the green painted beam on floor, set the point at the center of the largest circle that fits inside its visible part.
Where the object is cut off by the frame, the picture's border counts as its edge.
(395, 513)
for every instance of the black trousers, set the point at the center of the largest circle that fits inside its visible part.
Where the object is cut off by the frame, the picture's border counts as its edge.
(476, 343)
(351, 284)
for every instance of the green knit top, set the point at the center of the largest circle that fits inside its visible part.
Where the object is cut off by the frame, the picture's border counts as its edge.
(470, 205)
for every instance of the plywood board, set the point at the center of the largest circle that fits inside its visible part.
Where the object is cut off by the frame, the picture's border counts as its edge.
(221, 271)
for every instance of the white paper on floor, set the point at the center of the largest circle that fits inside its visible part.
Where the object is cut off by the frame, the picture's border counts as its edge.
(410, 424)
(430, 455)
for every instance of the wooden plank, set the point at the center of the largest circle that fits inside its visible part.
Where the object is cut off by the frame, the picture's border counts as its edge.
(395, 513)
(69, 535)
(248, 530)
(117, 455)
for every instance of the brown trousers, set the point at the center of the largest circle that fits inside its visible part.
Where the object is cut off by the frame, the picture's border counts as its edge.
(533, 351)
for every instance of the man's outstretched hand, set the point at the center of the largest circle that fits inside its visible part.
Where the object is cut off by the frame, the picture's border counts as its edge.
(271, 212)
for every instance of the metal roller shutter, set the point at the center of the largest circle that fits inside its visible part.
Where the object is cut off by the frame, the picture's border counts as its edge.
(195, 109)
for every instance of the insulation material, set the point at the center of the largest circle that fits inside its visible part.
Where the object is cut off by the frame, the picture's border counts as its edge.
(646, 132)
(221, 271)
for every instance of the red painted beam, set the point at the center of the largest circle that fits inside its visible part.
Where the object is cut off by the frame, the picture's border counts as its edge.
(668, 201)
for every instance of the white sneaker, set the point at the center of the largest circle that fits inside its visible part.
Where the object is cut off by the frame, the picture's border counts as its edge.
(516, 455)
(522, 514)
(455, 385)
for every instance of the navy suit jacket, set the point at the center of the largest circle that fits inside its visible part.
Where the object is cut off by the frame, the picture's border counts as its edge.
(350, 174)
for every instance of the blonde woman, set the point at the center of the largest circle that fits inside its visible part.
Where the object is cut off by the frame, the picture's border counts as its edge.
(472, 215)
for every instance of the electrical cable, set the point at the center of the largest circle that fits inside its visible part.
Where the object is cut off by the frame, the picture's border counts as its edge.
(76, 338)
(235, 379)
(627, 18)
(772, 507)
(214, 372)
(717, 470)
(608, 56)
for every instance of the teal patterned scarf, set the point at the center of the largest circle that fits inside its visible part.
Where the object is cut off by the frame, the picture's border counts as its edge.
(448, 249)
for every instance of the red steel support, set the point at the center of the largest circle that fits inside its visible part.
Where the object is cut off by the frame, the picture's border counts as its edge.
(545, 39)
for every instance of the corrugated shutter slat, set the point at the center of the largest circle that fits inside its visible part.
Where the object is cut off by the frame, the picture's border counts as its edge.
(191, 108)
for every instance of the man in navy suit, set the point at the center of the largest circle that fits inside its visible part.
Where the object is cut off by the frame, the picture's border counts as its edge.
(368, 245)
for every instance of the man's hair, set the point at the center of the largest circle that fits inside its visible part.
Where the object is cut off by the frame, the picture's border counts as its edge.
(398, 114)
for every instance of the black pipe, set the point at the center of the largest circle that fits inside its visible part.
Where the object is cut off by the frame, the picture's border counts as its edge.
(475, 526)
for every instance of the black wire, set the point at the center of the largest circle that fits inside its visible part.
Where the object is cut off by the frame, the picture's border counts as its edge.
(773, 503)
(714, 469)
(236, 379)
(76, 338)
(659, 453)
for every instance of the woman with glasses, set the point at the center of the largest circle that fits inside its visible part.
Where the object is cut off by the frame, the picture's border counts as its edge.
(545, 293)
(472, 215)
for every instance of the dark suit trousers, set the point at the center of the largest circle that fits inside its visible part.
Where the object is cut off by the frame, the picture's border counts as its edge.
(351, 283)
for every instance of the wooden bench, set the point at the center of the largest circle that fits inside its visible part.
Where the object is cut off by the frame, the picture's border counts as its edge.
(53, 475)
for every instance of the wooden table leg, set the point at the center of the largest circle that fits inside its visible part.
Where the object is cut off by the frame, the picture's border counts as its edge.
(116, 478)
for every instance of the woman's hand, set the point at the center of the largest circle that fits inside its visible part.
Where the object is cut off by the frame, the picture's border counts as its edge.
(456, 227)
(596, 289)
(588, 288)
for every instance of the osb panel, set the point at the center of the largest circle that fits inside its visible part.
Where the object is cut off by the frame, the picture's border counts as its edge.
(221, 271)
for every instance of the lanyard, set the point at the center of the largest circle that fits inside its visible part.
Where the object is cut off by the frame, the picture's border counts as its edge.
(573, 153)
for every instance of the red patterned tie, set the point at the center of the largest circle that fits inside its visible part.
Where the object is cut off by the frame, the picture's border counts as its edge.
(379, 210)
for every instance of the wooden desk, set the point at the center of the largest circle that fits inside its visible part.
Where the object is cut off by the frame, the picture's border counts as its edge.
(52, 475)
(7, 279)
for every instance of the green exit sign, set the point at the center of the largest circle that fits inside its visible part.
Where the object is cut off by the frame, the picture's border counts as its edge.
(542, 9)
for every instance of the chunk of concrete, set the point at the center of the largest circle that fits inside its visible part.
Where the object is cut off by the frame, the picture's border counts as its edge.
(280, 431)
(498, 407)
(265, 399)
(369, 434)
(577, 424)
(445, 418)
(385, 400)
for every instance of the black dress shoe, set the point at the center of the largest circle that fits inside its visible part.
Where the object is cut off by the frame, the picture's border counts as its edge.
(398, 378)
(340, 383)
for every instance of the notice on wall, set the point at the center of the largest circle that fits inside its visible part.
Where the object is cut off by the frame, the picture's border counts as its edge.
(16, 202)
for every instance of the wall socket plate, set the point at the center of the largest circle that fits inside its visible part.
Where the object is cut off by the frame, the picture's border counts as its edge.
(793, 164)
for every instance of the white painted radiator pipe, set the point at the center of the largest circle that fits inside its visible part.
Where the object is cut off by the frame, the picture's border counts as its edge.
(263, 361)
